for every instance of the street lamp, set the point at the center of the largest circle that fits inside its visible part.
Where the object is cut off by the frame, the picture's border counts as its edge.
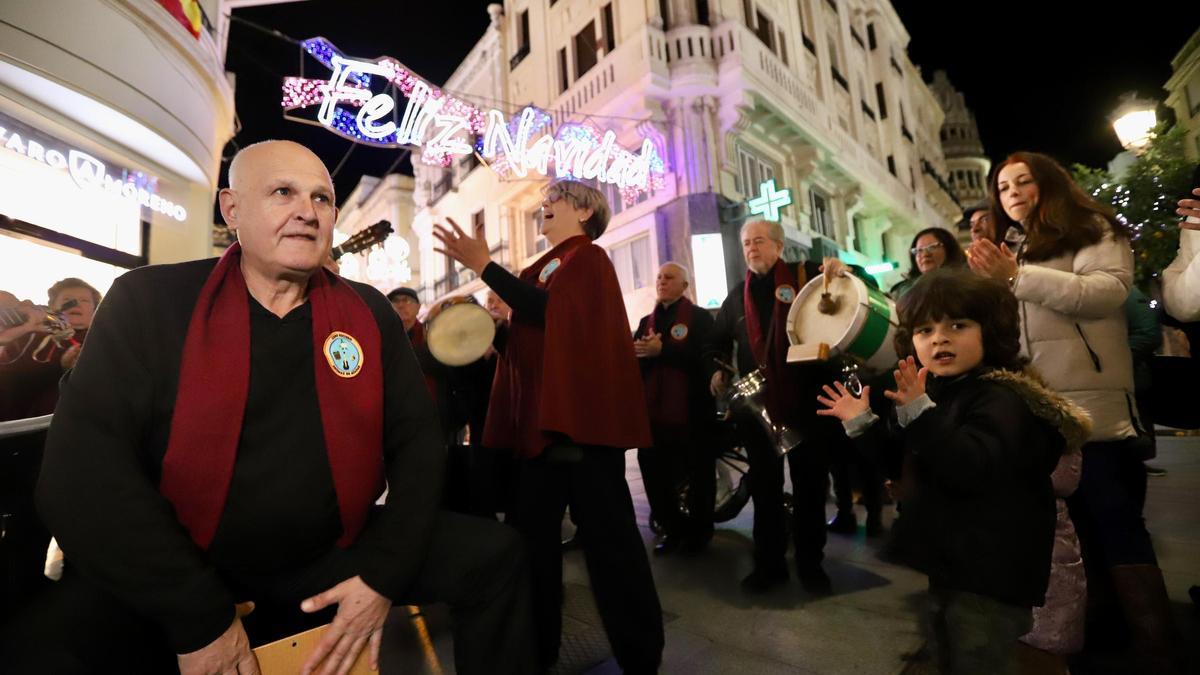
(1133, 121)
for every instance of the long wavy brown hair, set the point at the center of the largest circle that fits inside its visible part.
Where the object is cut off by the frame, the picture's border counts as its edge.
(1065, 218)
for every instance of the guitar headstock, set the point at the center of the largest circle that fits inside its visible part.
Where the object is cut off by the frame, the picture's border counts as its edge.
(364, 239)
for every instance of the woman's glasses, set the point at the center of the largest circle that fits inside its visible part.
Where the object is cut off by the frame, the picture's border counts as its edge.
(926, 249)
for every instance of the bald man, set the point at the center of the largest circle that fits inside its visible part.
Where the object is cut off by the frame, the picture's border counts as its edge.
(223, 440)
(668, 343)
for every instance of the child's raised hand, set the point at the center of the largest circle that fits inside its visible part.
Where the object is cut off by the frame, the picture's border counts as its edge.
(842, 404)
(910, 382)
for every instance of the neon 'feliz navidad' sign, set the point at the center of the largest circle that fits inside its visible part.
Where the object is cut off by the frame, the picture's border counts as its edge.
(446, 127)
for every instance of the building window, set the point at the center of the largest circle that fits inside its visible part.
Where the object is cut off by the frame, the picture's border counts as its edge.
(765, 30)
(857, 38)
(892, 165)
(871, 43)
(612, 194)
(665, 12)
(822, 220)
(535, 243)
(585, 49)
(466, 163)
(702, 12)
(610, 30)
(805, 22)
(752, 172)
(1193, 95)
(860, 239)
(443, 184)
(783, 54)
(866, 107)
(834, 56)
(564, 77)
(522, 40)
(835, 63)
(881, 99)
(631, 260)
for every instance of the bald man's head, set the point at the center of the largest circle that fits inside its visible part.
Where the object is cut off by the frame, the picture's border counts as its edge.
(280, 203)
(267, 150)
(672, 282)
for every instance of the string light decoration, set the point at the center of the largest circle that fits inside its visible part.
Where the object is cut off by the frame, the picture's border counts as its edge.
(446, 127)
(300, 92)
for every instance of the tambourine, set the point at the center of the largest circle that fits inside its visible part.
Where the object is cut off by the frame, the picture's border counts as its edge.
(460, 331)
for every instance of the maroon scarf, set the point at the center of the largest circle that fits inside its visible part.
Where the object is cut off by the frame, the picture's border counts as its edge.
(770, 351)
(210, 402)
(667, 386)
(416, 337)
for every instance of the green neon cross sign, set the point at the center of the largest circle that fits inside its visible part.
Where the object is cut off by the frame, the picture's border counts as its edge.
(769, 200)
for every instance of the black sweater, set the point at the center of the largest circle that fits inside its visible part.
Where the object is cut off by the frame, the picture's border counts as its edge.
(983, 513)
(685, 355)
(98, 490)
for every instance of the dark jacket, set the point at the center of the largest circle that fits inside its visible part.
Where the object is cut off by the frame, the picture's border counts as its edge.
(982, 513)
(98, 489)
(684, 355)
(1145, 336)
(729, 331)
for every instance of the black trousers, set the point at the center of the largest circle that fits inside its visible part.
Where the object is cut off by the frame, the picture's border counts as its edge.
(592, 482)
(844, 460)
(808, 466)
(476, 566)
(1107, 507)
(681, 457)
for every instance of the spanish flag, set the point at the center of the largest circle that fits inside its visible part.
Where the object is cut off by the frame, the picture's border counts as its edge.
(187, 12)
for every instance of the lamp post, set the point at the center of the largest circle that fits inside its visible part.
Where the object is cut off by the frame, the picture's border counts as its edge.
(1133, 121)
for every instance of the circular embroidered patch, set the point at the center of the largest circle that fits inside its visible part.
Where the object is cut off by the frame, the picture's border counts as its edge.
(343, 353)
(549, 269)
(679, 331)
(785, 293)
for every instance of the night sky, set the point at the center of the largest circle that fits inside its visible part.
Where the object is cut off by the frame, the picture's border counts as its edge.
(1035, 80)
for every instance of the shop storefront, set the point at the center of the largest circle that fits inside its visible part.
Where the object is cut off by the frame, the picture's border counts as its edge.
(109, 150)
(71, 211)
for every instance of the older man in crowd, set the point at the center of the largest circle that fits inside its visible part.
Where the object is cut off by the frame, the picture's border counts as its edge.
(223, 440)
(669, 342)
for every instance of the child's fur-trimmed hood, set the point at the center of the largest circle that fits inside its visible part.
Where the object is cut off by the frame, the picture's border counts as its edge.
(1072, 421)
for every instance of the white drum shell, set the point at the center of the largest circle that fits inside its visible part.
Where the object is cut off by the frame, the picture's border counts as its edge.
(807, 326)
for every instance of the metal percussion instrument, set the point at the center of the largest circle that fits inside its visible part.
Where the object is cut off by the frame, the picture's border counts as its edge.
(748, 396)
(847, 319)
(460, 332)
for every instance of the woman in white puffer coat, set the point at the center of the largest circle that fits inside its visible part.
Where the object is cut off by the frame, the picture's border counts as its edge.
(1072, 275)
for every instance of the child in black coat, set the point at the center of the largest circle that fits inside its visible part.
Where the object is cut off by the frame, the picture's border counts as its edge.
(981, 520)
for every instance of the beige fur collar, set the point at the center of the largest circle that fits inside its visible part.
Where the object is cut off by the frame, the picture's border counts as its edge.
(1069, 419)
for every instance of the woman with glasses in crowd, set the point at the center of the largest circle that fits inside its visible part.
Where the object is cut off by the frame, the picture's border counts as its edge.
(932, 248)
(569, 398)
